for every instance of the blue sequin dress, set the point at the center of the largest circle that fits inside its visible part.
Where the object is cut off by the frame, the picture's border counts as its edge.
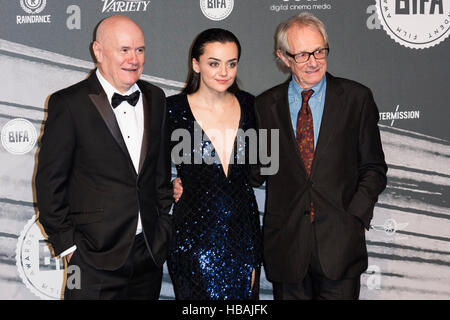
(216, 241)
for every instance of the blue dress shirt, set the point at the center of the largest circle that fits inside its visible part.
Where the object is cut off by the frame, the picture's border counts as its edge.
(316, 104)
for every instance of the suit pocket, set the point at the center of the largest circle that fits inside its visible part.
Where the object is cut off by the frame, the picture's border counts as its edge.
(73, 258)
(86, 207)
(87, 217)
(355, 224)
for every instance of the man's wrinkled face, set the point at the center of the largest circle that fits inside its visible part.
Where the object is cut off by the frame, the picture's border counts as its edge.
(120, 54)
(305, 39)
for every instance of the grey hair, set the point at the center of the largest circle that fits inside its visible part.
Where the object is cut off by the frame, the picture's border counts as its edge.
(302, 19)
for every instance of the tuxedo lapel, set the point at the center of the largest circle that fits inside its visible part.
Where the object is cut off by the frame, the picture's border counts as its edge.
(100, 100)
(147, 104)
(330, 115)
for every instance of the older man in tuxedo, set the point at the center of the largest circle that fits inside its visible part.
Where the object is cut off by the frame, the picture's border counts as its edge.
(332, 160)
(103, 178)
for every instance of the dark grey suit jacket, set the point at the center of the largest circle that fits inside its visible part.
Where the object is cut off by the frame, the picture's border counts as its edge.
(347, 175)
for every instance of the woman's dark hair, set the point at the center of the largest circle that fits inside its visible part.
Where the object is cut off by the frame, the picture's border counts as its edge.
(198, 48)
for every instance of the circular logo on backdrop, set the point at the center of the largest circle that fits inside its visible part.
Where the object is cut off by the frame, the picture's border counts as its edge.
(416, 24)
(33, 6)
(41, 273)
(216, 9)
(18, 136)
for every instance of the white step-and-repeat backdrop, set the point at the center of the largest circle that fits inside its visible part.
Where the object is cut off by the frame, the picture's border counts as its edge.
(398, 48)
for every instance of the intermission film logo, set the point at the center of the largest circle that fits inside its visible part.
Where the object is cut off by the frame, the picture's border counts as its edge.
(19, 136)
(33, 8)
(216, 9)
(416, 24)
(399, 115)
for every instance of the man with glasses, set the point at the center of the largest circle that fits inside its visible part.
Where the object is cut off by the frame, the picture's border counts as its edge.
(332, 160)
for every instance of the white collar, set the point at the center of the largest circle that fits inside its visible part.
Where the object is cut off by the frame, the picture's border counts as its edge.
(110, 90)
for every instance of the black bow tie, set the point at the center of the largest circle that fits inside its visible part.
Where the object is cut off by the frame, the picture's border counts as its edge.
(118, 98)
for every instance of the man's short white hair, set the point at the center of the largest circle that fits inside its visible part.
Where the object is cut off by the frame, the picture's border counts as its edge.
(304, 19)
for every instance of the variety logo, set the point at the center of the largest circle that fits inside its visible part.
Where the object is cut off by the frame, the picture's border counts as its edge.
(416, 24)
(216, 9)
(125, 5)
(33, 7)
(41, 273)
(18, 136)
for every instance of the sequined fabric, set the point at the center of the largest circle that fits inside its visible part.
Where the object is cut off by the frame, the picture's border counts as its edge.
(216, 240)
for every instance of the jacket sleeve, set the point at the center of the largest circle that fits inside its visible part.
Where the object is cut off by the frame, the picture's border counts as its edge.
(256, 178)
(164, 189)
(164, 169)
(372, 167)
(53, 171)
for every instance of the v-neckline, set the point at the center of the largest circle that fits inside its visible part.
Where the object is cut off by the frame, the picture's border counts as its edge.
(212, 143)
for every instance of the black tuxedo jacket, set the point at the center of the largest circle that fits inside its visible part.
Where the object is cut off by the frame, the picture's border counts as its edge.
(347, 175)
(88, 191)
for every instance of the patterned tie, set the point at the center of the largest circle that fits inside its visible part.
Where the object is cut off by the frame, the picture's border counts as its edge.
(305, 135)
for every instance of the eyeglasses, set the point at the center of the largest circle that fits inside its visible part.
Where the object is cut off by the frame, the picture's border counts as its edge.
(303, 57)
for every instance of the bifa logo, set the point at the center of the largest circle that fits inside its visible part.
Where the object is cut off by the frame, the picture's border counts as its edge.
(416, 24)
(216, 9)
(125, 5)
(18, 136)
(42, 273)
(33, 7)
